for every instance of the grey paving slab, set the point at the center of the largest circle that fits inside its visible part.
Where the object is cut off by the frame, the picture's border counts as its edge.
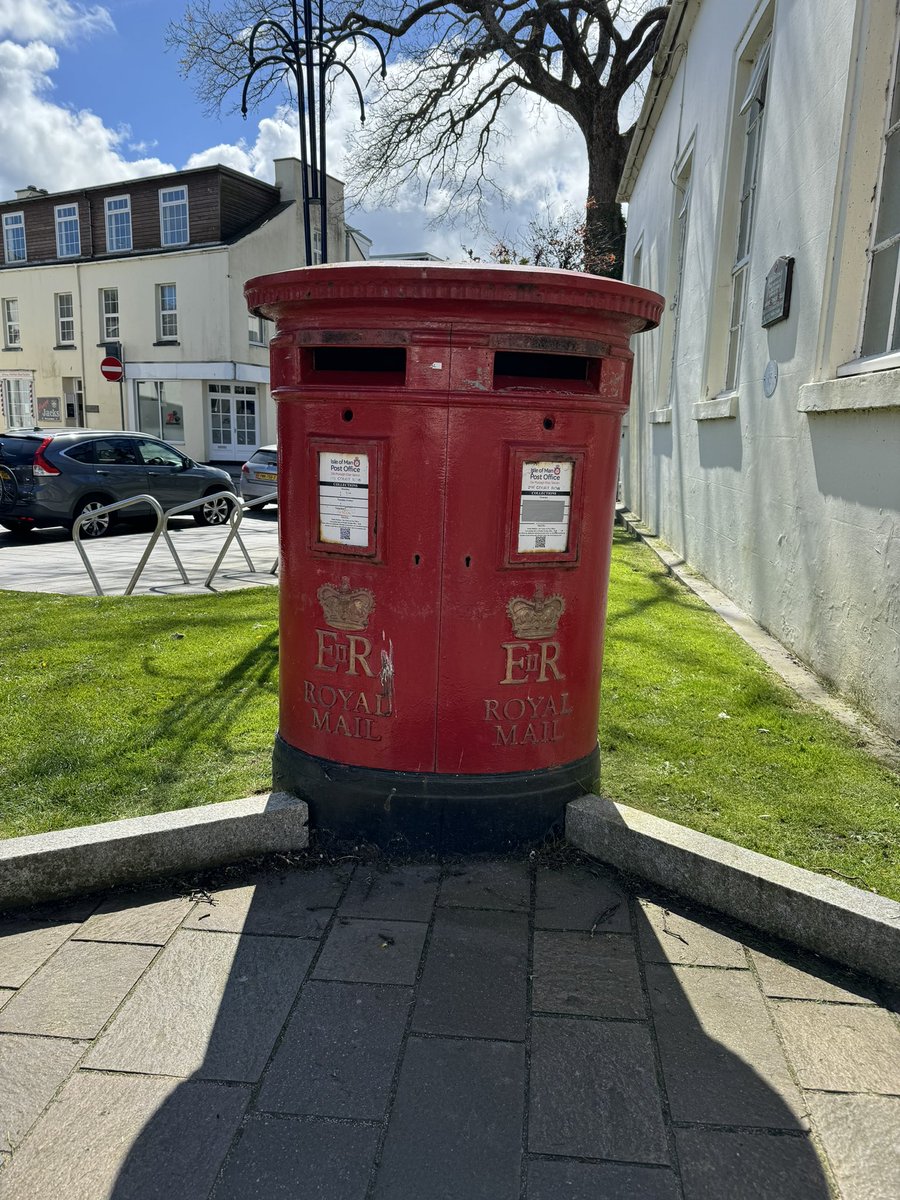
(290, 903)
(474, 982)
(147, 918)
(721, 1058)
(26, 942)
(561, 1180)
(861, 1137)
(31, 1068)
(593, 1091)
(577, 974)
(212, 1004)
(399, 893)
(75, 992)
(839, 1047)
(580, 898)
(339, 1052)
(359, 951)
(796, 978)
(278, 1159)
(487, 884)
(749, 1166)
(121, 1137)
(456, 1126)
(667, 936)
(5, 994)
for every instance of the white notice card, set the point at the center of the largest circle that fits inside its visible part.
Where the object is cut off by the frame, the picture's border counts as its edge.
(545, 505)
(344, 498)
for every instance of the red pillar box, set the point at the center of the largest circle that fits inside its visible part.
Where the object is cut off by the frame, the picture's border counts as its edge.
(448, 441)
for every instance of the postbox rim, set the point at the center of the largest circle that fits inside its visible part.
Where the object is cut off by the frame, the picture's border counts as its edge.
(412, 280)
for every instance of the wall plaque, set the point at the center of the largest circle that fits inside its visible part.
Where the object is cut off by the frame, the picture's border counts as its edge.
(777, 296)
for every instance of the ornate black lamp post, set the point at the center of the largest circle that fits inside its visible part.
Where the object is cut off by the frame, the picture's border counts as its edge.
(309, 49)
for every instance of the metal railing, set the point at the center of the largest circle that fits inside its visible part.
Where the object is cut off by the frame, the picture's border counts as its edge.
(234, 518)
(159, 531)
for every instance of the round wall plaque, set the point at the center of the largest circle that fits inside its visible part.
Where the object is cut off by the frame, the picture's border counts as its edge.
(770, 377)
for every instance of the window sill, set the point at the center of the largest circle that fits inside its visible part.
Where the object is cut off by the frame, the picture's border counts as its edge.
(168, 342)
(719, 408)
(661, 416)
(12, 349)
(875, 362)
(853, 393)
(65, 346)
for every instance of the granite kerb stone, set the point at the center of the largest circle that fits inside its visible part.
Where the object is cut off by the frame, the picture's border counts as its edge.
(856, 928)
(69, 862)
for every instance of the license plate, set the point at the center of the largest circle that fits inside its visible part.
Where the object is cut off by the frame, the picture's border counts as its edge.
(266, 475)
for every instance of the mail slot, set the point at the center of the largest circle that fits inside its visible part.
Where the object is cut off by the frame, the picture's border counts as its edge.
(448, 442)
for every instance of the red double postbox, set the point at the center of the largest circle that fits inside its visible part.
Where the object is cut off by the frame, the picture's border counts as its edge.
(448, 440)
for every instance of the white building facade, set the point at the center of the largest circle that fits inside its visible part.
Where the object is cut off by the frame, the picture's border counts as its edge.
(151, 271)
(763, 442)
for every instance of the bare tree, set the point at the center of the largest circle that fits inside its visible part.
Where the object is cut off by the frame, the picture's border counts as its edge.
(440, 116)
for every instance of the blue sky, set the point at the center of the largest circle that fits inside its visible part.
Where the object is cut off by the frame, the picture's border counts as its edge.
(88, 93)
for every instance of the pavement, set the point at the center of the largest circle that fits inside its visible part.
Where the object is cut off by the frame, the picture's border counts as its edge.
(47, 561)
(527, 1029)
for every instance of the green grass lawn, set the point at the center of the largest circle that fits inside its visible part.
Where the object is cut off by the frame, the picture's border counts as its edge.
(118, 707)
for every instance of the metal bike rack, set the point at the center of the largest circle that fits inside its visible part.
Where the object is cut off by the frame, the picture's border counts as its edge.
(192, 504)
(235, 518)
(159, 531)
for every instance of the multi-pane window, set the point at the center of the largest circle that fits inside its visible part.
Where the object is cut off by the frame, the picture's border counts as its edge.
(68, 234)
(65, 319)
(679, 245)
(14, 237)
(881, 330)
(109, 314)
(19, 403)
(168, 312)
(173, 216)
(11, 333)
(317, 246)
(118, 223)
(753, 110)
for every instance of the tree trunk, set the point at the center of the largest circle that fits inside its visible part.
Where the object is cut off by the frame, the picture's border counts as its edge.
(604, 227)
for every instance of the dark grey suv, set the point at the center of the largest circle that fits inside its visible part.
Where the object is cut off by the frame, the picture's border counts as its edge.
(51, 477)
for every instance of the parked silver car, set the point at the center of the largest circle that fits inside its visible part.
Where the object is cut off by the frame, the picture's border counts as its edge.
(259, 474)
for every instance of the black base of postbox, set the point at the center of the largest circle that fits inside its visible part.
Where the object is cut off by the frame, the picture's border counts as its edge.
(401, 811)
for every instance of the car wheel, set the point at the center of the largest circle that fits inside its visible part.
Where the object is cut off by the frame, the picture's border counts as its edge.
(17, 526)
(94, 527)
(214, 511)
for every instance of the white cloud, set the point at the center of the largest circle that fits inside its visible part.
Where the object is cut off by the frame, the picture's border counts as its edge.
(48, 145)
(52, 21)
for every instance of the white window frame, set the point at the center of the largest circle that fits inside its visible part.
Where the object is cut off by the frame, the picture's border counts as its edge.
(65, 323)
(112, 243)
(316, 246)
(12, 222)
(109, 332)
(12, 332)
(24, 406)
(167, 205)
(257, 329)
(65, 213)
(749, 177)
(166, 314)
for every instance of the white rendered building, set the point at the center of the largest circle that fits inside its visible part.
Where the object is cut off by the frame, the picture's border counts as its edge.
(763, 442)
(152, 271)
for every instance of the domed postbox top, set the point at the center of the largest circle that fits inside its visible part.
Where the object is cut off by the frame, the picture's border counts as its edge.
(493, 295)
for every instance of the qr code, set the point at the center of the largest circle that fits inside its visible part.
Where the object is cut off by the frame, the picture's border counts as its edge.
(540, 541)
(345, 533)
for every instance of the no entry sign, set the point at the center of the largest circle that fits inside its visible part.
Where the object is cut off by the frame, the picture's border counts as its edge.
(112, 369)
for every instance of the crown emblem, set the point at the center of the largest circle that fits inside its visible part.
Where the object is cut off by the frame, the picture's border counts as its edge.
(536, 618)
(346, 607)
